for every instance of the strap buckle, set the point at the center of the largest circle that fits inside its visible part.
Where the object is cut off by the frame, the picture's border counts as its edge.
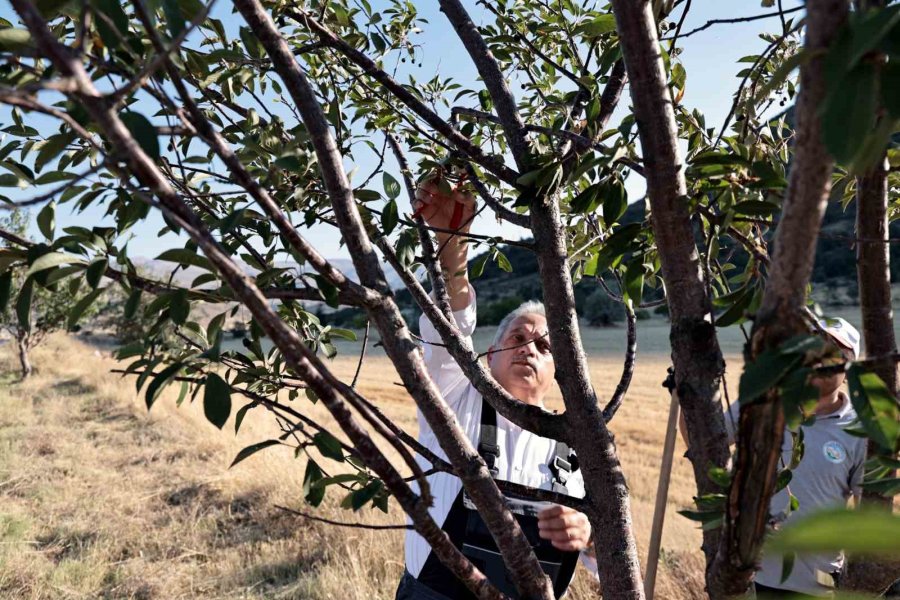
(561, 469)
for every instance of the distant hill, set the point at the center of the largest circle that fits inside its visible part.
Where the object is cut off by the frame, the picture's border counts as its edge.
(835, 267)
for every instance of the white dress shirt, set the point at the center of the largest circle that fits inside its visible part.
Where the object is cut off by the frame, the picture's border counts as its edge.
(523, 455)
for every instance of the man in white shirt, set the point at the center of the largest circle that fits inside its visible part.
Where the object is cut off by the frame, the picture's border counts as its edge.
(520, 360)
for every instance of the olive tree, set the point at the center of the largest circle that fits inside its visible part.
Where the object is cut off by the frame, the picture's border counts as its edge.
(239, 134)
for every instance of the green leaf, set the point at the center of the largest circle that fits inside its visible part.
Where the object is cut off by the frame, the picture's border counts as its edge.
(23, 304)
(781, 74)
(503, 262)
(179, 307)
(216, 400)
(328, 446)
(848, 112)
(391, 186)
(46, 220)
(313, 493)
(764, 373)
(389, 217)
(360, 498)
(5, 289)
(478, 266)
(346, 334)
(183, 256)
(784, 478)
(737, 311)
(9, 180)
(890, 88)
(860, 532)
(875, 406)
(252, 449)
(160, 381)
(615, 202)
(51, 149)
(599, 26)
(131, 305)
(587, 201)
(885, 487)
(634, 281)
(14, 39)
(50, 260)
(94, 273)
(182, 393)
(143, 131)
(174, 18)
(868, 30)
(787, 565)
(129, 350)
(720, 476)
(239, 416)
(112, 22)
(81, 306)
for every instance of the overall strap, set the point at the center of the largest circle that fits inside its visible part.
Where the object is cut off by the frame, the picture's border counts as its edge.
(487, 441)
(561, 467)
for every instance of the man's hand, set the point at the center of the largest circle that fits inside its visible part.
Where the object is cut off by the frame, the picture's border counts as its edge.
(438, 208)
(566, 528)
(449, 211)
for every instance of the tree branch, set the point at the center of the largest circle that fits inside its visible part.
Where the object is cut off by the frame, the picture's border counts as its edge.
(494, 81)
(491, 163)
(514, 546)
(695, 349)
(761, 424)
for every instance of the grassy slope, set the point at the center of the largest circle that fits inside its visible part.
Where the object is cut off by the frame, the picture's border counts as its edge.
(100, 499)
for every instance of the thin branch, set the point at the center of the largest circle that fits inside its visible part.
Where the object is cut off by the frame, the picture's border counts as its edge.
(121, 95)
(362, 356)
(494, 81)
(712, 22)
(343, 523)
(55, 191)
(491, 163)
(609, 411)
(499, 209)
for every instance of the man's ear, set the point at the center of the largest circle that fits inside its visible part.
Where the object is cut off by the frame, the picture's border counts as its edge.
(490, 354)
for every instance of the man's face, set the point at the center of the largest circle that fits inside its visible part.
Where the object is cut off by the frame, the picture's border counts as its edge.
(828, 385)
(521, 362)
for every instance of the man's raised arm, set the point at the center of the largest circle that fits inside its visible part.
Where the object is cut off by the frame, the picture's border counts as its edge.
(449, 211)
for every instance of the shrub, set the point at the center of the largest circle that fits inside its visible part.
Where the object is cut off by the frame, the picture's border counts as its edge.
(601, 310)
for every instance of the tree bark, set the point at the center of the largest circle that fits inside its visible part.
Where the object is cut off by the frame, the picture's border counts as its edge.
(25, 367)
(695, 349)
(761, 424)
(523, 566)
(300, 358)
(608, 504)
(874, 276)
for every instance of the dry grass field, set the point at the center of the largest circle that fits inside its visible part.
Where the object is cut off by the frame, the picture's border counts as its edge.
(99, 499)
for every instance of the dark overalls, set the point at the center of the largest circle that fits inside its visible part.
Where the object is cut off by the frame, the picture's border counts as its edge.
(468, 532)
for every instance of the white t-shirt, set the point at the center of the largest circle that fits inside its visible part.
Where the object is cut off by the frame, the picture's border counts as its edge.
(523, 455)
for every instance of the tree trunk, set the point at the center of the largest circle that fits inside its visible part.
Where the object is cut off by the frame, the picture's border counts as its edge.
(22, 337)
(608, 503)
(695, 349)
(780, 317)
(874, 273)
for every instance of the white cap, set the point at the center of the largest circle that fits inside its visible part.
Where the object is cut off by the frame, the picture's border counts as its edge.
(843, 333)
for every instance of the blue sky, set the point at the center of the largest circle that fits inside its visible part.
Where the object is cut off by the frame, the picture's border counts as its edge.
(710, 59)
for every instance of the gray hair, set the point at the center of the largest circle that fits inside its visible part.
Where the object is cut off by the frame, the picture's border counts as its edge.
(532, 307)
